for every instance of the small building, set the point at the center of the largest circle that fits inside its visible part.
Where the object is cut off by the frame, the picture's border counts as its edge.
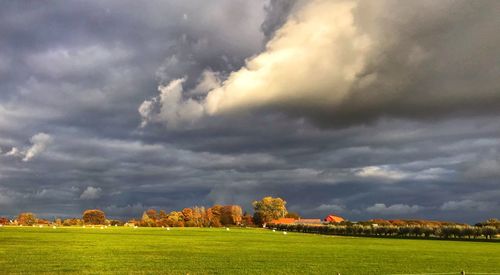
(333, 219)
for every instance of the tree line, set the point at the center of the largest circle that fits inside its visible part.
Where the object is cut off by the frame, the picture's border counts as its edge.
(215, 216)
(265, 210)
(488, 230)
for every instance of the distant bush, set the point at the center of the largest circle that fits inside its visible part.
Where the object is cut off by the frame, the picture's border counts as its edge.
(247, 220)
(115, 222)
(72, 222)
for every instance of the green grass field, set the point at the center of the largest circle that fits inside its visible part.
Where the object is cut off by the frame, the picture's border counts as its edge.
(242, 251)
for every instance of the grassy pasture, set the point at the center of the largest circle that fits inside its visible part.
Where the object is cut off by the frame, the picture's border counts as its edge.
(238, 251)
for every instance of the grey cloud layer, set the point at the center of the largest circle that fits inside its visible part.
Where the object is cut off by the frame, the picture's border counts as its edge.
(82, 70)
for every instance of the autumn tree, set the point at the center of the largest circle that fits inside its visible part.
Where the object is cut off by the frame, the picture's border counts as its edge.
(162, 214)
(187, 213)
(198, 215)
(236, 214)
(70, 222)
(231, 215)
(268, 209)
(4, 220)
(26, 218)
(152, 214)
(213, 216)
(94, 216)
(490, 222)
(247, 220)
(162, 218)
(175, 219)
(146, 220)
(493, 222)
(42, 221)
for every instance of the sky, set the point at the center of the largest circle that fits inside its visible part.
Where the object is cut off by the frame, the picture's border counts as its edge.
(366, 109)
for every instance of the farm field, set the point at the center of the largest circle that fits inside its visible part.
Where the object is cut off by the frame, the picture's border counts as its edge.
(237, 251)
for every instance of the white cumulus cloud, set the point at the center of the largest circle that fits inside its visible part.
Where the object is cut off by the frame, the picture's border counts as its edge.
(40, 143)
(14, 152)
(173, 109)
(91, 193)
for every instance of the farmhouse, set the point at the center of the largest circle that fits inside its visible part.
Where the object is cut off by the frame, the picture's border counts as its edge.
(333, 219)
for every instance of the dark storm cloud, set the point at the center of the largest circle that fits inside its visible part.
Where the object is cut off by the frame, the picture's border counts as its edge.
(443, 62)
(78, 72)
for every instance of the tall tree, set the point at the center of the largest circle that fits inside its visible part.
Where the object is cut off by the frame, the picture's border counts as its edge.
(152, 214)
(198, 213)
(175, 219)
(268, 209)
(188, 214)
(94, 216)
(26, 218)
(146, 220)
(231, 215)
(162, 218)
(4, 220)
(214, 215)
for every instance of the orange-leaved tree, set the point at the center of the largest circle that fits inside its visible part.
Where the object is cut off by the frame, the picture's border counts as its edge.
(26, 218)
(94, 216)
(231, 215)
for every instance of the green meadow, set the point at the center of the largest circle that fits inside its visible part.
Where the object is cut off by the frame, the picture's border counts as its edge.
(237, 251)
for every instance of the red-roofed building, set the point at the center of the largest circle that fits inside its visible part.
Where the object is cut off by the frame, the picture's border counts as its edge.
(284, 221)
(333, 219)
